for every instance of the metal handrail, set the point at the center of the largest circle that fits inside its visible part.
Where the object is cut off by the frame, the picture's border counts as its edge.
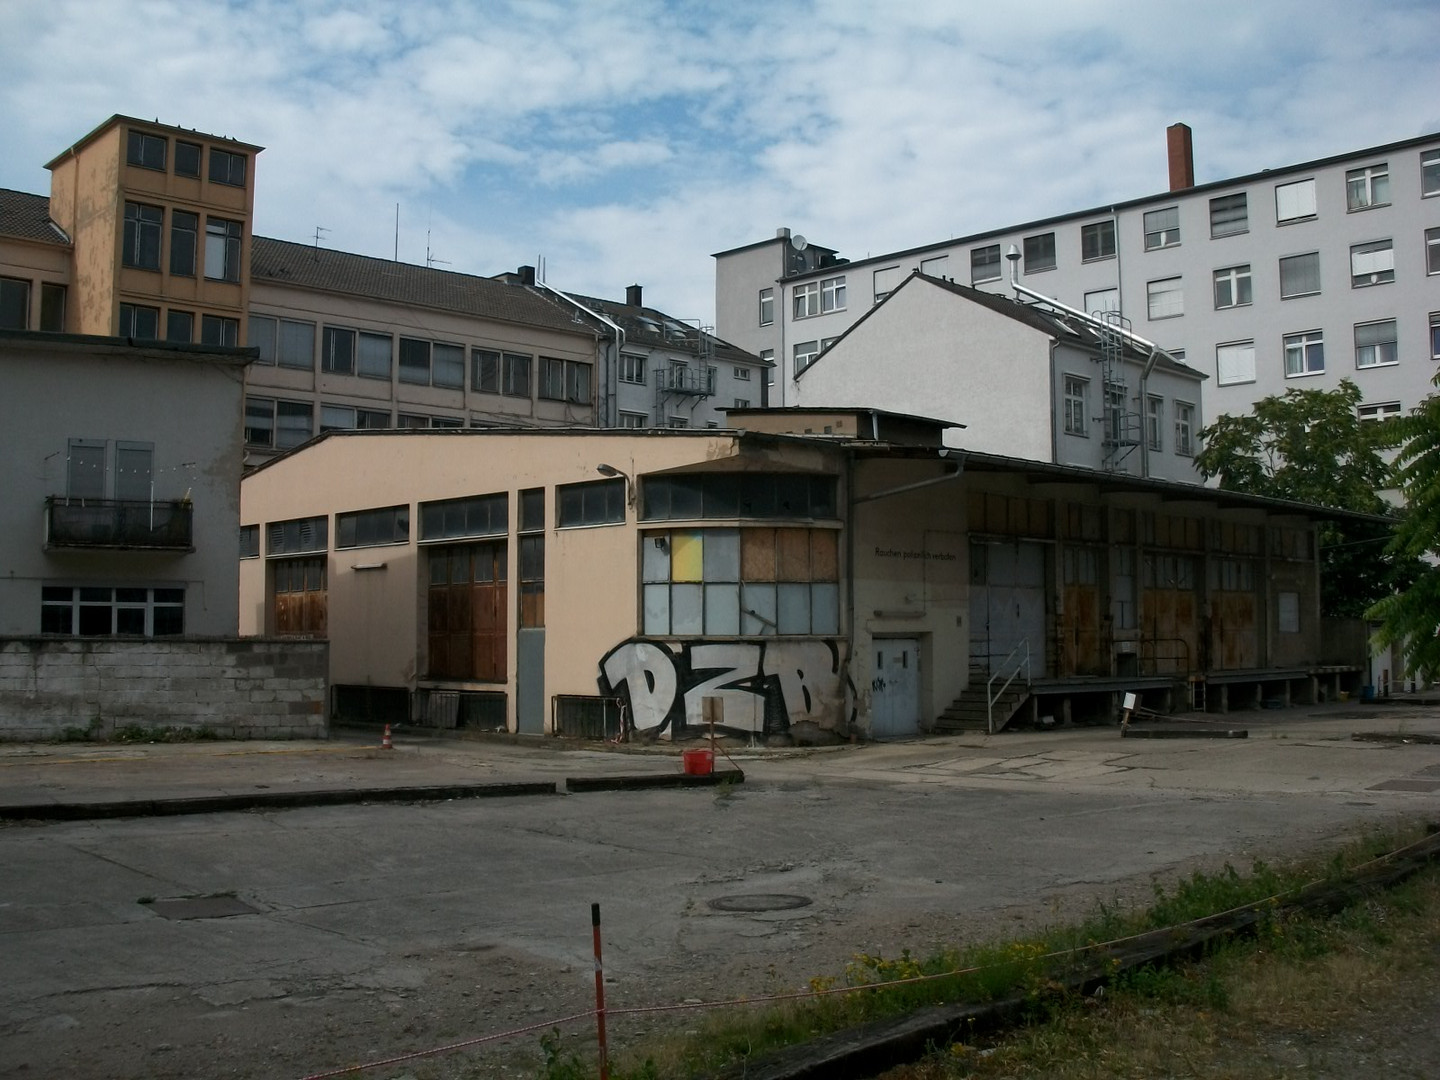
(992, 695)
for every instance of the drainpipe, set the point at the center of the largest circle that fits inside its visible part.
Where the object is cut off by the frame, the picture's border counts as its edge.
(609, 421)
(1136, 341)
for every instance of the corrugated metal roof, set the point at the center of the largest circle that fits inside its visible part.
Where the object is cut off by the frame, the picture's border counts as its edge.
(305, 266)
(27, 217)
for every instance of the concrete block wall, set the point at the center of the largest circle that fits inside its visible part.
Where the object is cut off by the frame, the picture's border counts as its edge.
(248, 688)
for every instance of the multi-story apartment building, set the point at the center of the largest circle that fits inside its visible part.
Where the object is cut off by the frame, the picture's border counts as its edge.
(1290, 277)
(671, 373)
(147, 235)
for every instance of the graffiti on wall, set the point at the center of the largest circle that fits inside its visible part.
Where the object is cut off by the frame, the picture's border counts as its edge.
(765, 687)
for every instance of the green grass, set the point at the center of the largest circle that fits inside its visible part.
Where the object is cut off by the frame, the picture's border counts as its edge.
(1026, 967)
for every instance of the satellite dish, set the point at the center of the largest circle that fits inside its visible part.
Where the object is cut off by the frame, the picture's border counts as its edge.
(798, 242)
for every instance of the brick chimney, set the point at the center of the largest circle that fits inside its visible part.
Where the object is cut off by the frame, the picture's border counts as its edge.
(632, 296)
(1182, 157)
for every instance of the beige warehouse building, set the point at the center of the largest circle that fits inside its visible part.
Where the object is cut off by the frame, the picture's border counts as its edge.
(827, 573)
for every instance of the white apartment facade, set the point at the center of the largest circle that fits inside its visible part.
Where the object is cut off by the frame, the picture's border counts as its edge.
(1292, 277)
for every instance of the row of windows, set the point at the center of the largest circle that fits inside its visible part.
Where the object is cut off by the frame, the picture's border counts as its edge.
(290, 343)
(106, 611)
(144, 237)
(1229, 215)
(1376, 344)
(142, 322)
(279, 424)
(634, 371)
(150, 152)
(596, 502)
(1077, 417)
(15, 305)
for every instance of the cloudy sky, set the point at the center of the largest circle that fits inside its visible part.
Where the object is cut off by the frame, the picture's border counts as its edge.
(627, 141)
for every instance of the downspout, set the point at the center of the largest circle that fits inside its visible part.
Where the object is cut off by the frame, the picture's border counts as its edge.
(1155, 352)
(610, 421)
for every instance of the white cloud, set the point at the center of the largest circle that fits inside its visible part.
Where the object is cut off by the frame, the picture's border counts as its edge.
(629, 139)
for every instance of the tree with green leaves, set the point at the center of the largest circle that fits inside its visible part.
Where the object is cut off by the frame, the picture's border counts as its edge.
(1411, 618)
(1311, 446)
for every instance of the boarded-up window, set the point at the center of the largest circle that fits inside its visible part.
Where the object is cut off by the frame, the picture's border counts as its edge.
(467, 613)
(300, 597)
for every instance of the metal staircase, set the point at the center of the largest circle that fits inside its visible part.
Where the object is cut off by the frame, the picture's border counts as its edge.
(972, 711)
(1122, 427)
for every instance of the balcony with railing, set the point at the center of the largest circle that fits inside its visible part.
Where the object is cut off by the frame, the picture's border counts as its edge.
(676, 379)
(159, 525)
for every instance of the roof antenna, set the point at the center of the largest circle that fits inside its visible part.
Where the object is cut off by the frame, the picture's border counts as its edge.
(397, 232)
(318, 230)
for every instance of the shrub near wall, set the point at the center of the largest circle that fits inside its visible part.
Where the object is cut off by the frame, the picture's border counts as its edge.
(251, 688)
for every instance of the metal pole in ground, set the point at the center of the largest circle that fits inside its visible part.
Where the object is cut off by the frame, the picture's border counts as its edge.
(599, 995)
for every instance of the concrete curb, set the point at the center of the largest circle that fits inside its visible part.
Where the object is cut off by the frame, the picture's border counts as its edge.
(293, 800)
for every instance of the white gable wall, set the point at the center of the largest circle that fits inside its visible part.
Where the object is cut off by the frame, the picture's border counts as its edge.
(930, 352)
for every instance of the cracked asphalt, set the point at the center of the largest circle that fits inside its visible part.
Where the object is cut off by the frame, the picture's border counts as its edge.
(379, 930)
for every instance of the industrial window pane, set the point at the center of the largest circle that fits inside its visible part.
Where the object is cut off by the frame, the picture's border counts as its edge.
(414, 361)
(296, 344)
(449, 369)
(824, 608)
(1039, 252)
(757, 554)
(655, 558)
(985, 264)
(722, 555)
(687, 605)
(794, 609)
(1229, 215)
(179, 326)
(686, 556)
(14, 304)
(722, 609)
(759, 613)
(52, 306)
(657, 609)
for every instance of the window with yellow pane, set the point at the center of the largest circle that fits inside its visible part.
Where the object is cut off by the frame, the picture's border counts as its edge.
(750, 582)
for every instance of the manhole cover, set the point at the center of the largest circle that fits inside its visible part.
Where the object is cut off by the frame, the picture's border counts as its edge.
(201, 907)
(760, 902)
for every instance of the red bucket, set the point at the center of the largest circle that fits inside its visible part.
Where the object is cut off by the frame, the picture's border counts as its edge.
(698, 762)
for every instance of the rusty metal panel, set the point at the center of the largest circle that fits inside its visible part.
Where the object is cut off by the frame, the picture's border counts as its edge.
(1170, 641)
(1233, 636)
(1081, 642)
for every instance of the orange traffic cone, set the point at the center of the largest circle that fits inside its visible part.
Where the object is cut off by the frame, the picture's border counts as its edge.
(385, 743)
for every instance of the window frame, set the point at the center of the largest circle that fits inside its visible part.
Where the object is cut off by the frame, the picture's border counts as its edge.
(805, 300)
(134, 313)
(1232, 277)
(146, 144)
(1036, 249)
(1302, 194)
(1154, 423)
(979, 261)
(766, 301)
(1097, 241)
(832, 294)
(591, 503)
(1378, 412)
(1377, 346)
(1237, 350)
(575, 379)
(221, 330)
(1175, 289)
(1430, 173)
(182, 167)
(226, 237)
(1113, 296)
(1184, 428)
(1223, 221)
(19, 301)
(1293, 260)
(803, 354)
(331, 363)
(158, 599)
(173, 324)
(144, 228)
(225, 165)
(1384, 276)
(1304, 353)
(52, 313)
(633, 368)
(1159, 225)
(1432, 251)
(1075, 395)
(1373, 189)
(384, 526)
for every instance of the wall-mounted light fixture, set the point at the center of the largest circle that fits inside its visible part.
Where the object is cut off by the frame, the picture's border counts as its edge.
(610, 470)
